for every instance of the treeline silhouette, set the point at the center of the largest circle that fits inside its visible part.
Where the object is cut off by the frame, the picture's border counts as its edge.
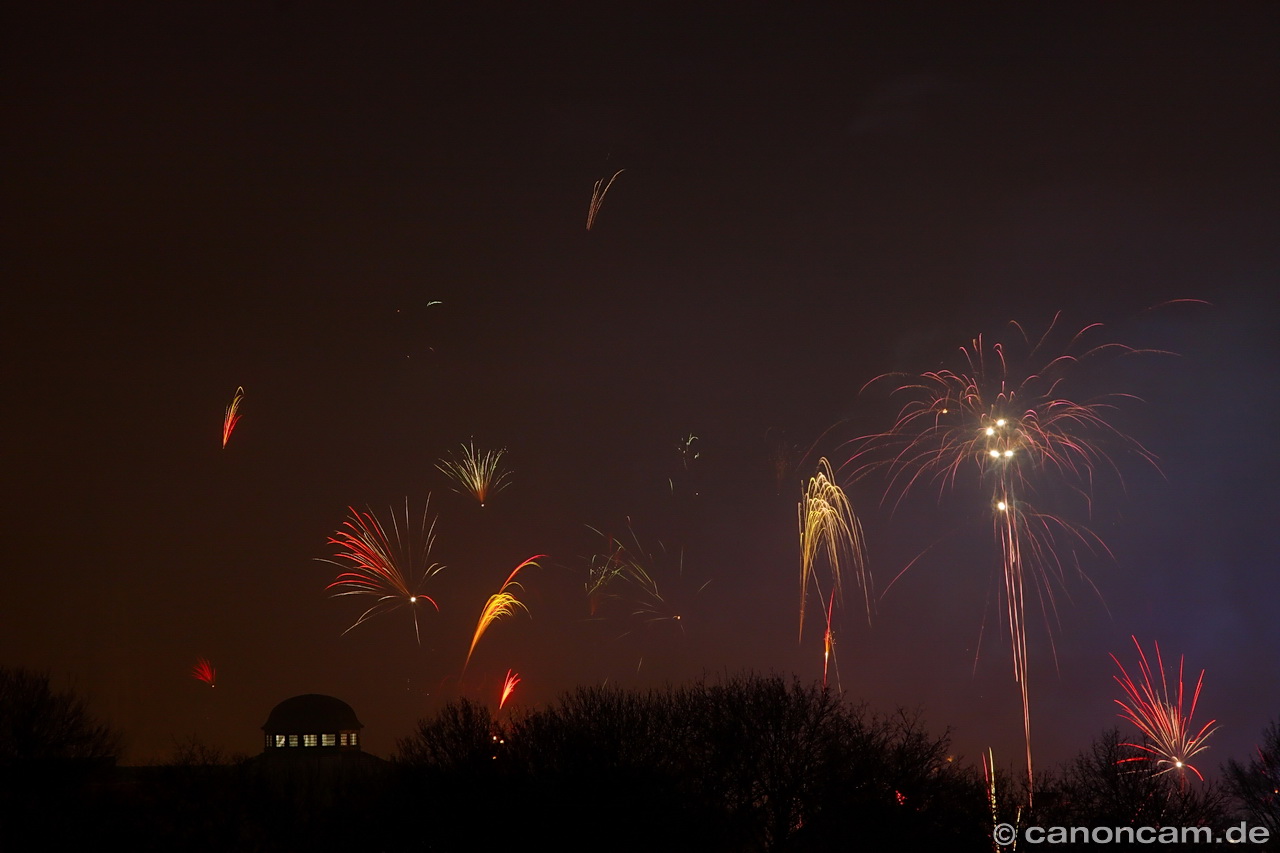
(741, 764)
(747, 764)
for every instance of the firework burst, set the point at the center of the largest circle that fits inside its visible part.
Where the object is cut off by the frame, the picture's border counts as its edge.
(1169, 742)
(1008, 421)
(597, 197)
(477, 474)
(232, 416)
(382, 565)
(829, 527)
(205, 671)
(501, 603)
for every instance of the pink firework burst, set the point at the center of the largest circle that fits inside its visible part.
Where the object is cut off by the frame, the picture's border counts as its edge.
(1168, 739)
(390, 567)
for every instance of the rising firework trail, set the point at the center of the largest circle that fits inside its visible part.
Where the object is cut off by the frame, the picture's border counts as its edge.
(1168, 741)
(477, 474)
(1009, 424)
(231, 417)
(501, 603)
(391, 568)
(829, 528)
(205, 671)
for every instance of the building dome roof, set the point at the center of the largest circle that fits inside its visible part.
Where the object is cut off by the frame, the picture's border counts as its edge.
(311, 713)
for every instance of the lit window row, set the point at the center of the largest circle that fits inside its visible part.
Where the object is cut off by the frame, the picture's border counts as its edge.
(343, 739)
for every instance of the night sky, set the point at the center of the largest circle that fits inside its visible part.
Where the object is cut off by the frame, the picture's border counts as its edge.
(205, 195)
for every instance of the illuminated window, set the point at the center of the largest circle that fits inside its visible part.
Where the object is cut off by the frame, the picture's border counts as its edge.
(309, 740)
(354, 738)
(328, 740)
(343, 738)
(279, 740)
(293, 740)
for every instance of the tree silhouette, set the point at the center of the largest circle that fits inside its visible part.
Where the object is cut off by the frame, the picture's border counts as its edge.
(55, 759)
(745, 764)
(1257, 784)
(1105, 787)
(40, 724)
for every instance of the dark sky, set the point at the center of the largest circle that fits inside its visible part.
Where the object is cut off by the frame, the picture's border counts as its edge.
(205, 195)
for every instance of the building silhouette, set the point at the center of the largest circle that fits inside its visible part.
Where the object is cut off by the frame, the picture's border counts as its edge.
(314, 734)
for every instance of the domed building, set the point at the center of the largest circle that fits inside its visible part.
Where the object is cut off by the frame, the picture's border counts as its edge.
(311, 748)
(311, 722)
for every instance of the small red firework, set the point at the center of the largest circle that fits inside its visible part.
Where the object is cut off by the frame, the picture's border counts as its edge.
(205, 671)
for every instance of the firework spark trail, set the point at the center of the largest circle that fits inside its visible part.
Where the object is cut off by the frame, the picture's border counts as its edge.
(205, 671)
(829, 642)
(508, 687)
(478, 474)
(500, 604)
(650, 604)
(993, 803)
(618, 566)
(597, 197)
(688, 454)
(633, 567)
(232, 416)
(1008, 419)
(1170, 744)
(601, 569)
(828, 526)
(989, 778)
(782, 459)
(686, 476)
(614, 566)
(380, 565)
